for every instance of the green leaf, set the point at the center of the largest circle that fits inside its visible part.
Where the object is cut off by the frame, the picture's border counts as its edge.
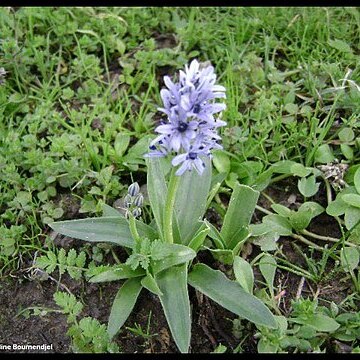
(352, 217)
(199, 238)
(350, 258)
(357, 180)
(117, 272)
(352, 199)
(347, 151)
(300, 170)
(336, 207)
(123, 304)
(102, 229)
(267, 266)
(230, 295)
(225, 256)
(221, 161)
(178, 255)
(322, 323)
(340, 45)
(323, 154)
(244, 274)
(277, 224)
(190, 201)
(281, 210)
(215, 235)
(148, 282)
(267, 242)
(157, 188)
(346, 134)
(121, 143)
(175, 302)
(110, 211)
(239, 213)
(308, 186)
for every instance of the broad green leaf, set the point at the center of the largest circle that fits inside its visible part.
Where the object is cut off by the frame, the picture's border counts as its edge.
(244, 274)
(157, 188)
(216, 182)
(241, 208)
(349, 257)
(179, 255)
(300, 170)
(221, 161)
(199, 238)
(264, 346)
(308, 186)
(230, 295)
(110, 211)
(336, 207)
(121, 143)
(340, 45)
(215, 235)
(148, 282)
(123, 304)
(283, 166)
(352, 217)
(300, 220)
(322, 323)
(113, 229)
(281, 210)
(267, 242)
(225, 256)
(352, 199)
(190, 202)
(175, 302)
(118, 272)
(323, 154)
(357, 180)
(267, 266)
(277, 224)
(313, 207)
(347, 151)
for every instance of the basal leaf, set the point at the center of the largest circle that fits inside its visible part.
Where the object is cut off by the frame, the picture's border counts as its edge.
(175, 302)
(241, 208)
(244, 274)
(117, 272)
(230, 295)
(123, 304)
(190, 202)
(111, 229)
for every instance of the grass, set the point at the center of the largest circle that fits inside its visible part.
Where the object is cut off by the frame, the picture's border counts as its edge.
(79, 100)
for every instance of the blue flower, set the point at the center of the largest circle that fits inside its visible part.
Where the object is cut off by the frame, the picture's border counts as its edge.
(190, 132)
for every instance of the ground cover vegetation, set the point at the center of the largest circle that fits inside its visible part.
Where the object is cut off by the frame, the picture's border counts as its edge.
(80, 92)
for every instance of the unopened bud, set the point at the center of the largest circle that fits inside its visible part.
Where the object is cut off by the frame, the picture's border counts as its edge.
(139, 199)
(136, 212)
(134, 189)
(128, 201)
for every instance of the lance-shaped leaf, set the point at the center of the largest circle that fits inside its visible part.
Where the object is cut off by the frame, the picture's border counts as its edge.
(175, 302)
(175, 254)
(238, 216)
(123, 304)
(118, 272)
(157, 188)
(230, 295)
(111, 229)
(190, 202)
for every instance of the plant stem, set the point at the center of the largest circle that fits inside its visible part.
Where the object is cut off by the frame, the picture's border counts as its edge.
(169, 206)
(133, 229)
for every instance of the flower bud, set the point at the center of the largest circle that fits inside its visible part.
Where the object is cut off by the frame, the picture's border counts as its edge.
(136, 212)
(128, 201)
(139, 199)
(133, 189)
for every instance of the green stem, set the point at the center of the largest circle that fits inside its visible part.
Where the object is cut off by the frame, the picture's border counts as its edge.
(169, 206)
(133, 229)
